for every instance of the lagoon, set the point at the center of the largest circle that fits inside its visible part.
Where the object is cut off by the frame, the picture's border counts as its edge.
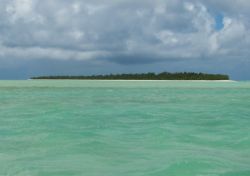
(135, 128)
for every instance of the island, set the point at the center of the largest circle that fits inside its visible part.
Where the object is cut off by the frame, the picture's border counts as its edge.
(145, 76)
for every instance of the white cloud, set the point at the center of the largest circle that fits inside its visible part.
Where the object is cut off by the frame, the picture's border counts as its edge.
(76, 7)
(167, 37)
(76, 34)
(50, 53)
(189, 6)
(22, 9)
(95, 29)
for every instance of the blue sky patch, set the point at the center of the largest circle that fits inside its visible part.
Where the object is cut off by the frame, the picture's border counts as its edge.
(219, 21)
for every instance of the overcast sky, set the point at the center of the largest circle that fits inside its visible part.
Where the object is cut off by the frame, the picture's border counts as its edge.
(82, 37)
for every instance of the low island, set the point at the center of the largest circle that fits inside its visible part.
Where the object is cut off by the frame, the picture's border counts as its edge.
(145, 76)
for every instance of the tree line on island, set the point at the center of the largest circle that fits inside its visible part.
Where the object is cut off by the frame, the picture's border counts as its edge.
(145, 76)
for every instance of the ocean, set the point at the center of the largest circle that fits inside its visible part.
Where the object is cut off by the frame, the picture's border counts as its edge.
(124, 128)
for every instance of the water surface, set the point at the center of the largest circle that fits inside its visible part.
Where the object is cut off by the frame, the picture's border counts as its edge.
(124, 128)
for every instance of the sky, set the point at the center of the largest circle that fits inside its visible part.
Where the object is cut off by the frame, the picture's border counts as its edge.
(85, 37)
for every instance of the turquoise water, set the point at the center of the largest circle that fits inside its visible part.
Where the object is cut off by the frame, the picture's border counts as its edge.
(124, 128)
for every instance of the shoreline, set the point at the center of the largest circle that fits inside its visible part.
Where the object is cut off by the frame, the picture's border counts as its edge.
(132, 80)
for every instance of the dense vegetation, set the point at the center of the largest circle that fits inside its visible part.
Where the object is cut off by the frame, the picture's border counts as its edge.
(146, 76)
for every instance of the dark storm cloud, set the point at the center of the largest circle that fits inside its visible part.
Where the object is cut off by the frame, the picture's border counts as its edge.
(123, 32)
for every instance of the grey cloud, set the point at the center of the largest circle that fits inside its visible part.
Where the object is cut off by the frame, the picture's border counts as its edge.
(123, 31)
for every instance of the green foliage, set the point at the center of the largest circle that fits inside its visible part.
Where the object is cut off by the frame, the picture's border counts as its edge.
(145, 76)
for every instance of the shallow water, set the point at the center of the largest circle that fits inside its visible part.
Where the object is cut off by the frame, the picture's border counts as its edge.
(124, 128)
